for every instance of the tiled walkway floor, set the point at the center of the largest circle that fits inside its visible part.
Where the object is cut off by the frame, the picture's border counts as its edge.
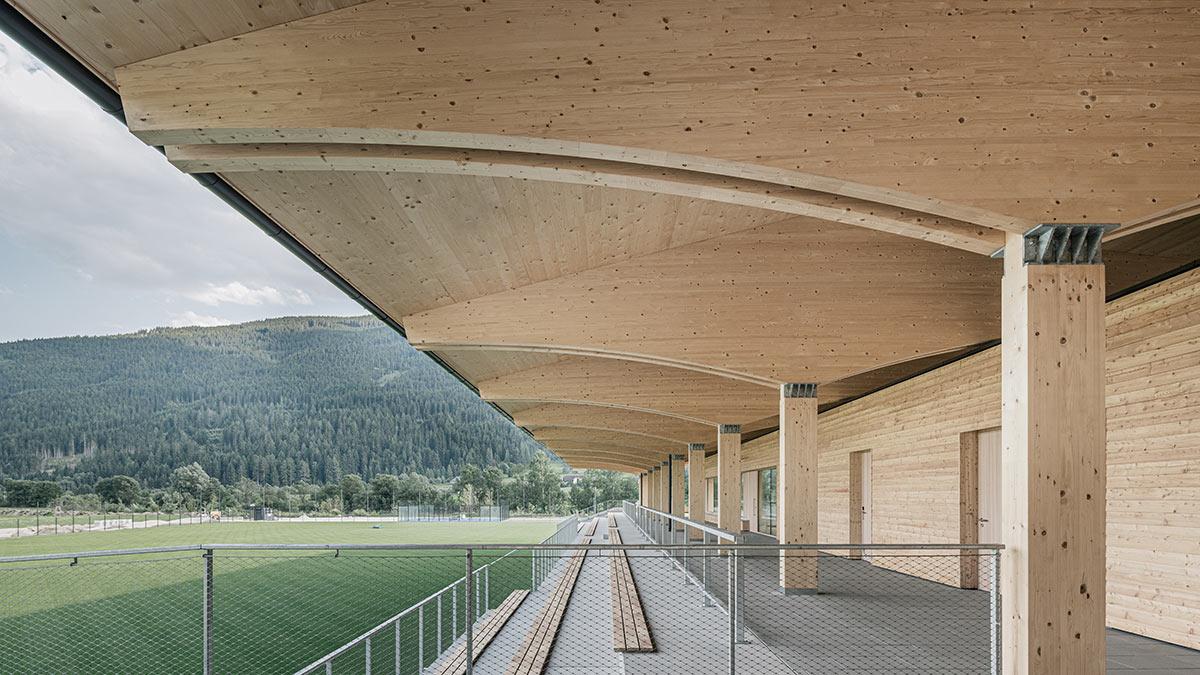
(870, 619)
(1128, 653)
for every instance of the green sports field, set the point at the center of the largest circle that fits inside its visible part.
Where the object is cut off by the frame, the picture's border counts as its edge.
(273, 611)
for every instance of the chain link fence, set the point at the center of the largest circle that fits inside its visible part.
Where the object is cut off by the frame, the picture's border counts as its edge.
(633, 597)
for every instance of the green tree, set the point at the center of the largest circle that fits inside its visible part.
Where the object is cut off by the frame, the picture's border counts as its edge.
(118, 490)
(353, 492)
(385, 490)
(35, 493)
(193, 483)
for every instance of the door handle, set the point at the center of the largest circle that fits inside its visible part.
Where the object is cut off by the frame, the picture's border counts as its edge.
(983, 520)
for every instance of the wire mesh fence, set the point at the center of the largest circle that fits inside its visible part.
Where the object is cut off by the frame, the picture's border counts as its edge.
(438, 512)
(604, 594)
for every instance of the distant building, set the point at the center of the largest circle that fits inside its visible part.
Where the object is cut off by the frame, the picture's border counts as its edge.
(571, 478)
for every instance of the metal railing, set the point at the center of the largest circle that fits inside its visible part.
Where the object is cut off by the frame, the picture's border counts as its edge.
(713, 605)
(600, 508)
(475, 582)
(437, 513)
(689, 545)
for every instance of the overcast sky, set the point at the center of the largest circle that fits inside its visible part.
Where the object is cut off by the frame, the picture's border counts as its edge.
(99, 235)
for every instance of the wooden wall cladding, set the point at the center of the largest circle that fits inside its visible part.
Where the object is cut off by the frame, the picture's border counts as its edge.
(1153, 400)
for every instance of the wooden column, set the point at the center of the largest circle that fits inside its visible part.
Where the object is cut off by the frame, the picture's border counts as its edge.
(797, 490)
(729, 477)
(677, 508)
(642, 488)
(651, 484)
(696, 485)
(664, 487)
(1053, 477)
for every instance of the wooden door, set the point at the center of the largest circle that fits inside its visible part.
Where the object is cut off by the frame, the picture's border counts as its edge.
(865, 483)
(990, 523)
(860, 499)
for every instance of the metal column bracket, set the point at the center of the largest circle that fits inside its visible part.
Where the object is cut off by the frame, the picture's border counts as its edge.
(730, 429)
(799, 390)
(1063, 244)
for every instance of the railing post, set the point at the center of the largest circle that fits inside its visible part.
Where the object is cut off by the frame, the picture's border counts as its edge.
(704, 569)
(396, 645)
(739, 586)
(420, 638)
(439, 622)
(731, 595)
(454, 612)
(686, 547)
(487, 588)
(470, 650)
(208, 612)
(995, 613)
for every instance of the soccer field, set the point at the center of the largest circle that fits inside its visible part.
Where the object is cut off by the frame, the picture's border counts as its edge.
(273, 611)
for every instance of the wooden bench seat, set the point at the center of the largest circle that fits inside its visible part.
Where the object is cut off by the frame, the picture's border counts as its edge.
(631, 633)
(589, 528)
(484, 633)
(531, 658)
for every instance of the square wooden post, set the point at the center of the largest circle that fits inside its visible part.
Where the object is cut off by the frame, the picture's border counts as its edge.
(696, 485)
(1053, 476)
(729, 477)
(797, 489)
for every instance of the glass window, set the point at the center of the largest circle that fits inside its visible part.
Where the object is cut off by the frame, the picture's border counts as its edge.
(767, 501)
(715, 492)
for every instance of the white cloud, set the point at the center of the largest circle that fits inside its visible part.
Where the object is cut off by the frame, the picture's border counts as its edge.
(190, 318)
(93, 219)
(5, 290)
(237, 293)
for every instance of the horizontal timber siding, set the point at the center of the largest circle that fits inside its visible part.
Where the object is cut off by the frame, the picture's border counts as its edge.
(1153, 397)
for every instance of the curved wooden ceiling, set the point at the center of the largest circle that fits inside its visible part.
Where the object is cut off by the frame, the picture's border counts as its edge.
(784, 302)
(604, 418)
(1035, 112)
(629, 222)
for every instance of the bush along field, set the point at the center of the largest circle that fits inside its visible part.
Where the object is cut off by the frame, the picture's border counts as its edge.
(273, 611)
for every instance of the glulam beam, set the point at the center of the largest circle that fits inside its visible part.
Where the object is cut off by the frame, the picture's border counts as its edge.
(689, 395)
(240, 158)
(598, 449)
(604, 418)
(791, 298)
(573, 457)
(585, 81)
(565, 435)
(606, 465)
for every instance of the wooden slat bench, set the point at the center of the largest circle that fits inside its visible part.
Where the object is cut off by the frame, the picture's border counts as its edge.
(589, 528)
(631, 633)
(483, 635)
(531, 658)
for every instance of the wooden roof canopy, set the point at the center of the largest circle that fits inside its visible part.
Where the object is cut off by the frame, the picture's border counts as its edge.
(627, 222)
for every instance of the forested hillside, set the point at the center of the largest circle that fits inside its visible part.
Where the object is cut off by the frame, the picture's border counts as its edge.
(277, 401)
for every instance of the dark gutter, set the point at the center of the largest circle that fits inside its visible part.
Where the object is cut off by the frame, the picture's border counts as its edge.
(48, 51)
